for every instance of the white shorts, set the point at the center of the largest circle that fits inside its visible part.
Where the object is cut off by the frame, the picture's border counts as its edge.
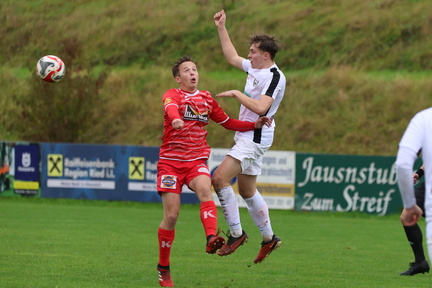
(249, 154)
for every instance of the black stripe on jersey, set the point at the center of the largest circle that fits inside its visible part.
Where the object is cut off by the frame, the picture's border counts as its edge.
(273, 84)
(257, 135)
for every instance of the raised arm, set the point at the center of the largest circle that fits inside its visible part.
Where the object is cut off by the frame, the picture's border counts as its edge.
(228, 48)
(258, 106)
(220, 117)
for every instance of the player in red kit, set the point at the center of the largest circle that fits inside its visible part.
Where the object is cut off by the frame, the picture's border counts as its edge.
(183, 155)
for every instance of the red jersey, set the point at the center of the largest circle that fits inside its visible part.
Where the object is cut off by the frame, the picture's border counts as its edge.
(195, 109)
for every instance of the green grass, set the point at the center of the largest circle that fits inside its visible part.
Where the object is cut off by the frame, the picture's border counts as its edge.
(75, 243)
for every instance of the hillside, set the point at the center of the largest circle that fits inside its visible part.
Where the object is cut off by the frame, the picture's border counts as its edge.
(357, 70)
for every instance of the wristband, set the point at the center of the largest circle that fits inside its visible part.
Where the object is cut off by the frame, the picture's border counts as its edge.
(420, 172)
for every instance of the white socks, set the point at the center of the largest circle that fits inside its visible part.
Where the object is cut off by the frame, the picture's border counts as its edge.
(259, 212)
(257, 208)
(230, 210)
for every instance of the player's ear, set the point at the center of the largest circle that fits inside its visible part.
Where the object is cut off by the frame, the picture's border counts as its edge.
(177, 79)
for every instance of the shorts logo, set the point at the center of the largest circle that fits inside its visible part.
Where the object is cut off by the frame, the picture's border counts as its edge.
(168, 181)
(204, 170)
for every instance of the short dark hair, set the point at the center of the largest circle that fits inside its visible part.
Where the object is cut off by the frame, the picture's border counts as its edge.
(265, 43)
(175, 68)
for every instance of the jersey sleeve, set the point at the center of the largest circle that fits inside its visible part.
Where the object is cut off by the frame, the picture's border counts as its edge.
(170, 103)
(221, 118)
(409, 146)
(246, 64)
(237, 125)
(172, 112)
(274, 85)
(404, 166)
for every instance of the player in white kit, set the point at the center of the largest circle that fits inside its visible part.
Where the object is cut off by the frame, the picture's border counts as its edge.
(417, 137)
(263, 92)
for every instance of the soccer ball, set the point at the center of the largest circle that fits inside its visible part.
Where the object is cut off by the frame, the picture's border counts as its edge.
(50, 68)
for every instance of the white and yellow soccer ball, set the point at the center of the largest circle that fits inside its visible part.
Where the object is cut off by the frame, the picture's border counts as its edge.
(50, 68)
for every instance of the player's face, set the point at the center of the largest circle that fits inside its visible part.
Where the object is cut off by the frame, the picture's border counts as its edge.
(257, 56)
(188, 76)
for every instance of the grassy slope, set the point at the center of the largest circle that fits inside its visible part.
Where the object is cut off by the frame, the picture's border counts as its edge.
(357, 70)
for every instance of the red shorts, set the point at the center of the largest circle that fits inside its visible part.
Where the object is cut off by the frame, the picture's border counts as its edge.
(173, 174)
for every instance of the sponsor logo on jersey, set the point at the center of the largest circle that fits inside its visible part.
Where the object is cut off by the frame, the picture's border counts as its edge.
(193, 115)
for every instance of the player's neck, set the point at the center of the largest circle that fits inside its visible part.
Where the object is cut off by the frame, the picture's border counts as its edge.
(268, 64)
(189, 91)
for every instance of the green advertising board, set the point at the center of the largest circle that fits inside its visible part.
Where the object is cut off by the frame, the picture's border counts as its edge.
(347, 183)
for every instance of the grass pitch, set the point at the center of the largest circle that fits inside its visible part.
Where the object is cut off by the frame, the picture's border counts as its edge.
(75, 243)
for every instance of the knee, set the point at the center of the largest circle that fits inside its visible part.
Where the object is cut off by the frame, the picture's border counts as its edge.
(204, 195)
(170, 220)
(214, 183)
(217, 181)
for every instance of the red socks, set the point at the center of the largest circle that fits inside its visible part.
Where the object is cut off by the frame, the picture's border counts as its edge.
(208, 214)
(166, 238)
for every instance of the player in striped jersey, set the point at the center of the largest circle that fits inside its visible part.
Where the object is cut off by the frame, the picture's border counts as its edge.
(183, 155)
